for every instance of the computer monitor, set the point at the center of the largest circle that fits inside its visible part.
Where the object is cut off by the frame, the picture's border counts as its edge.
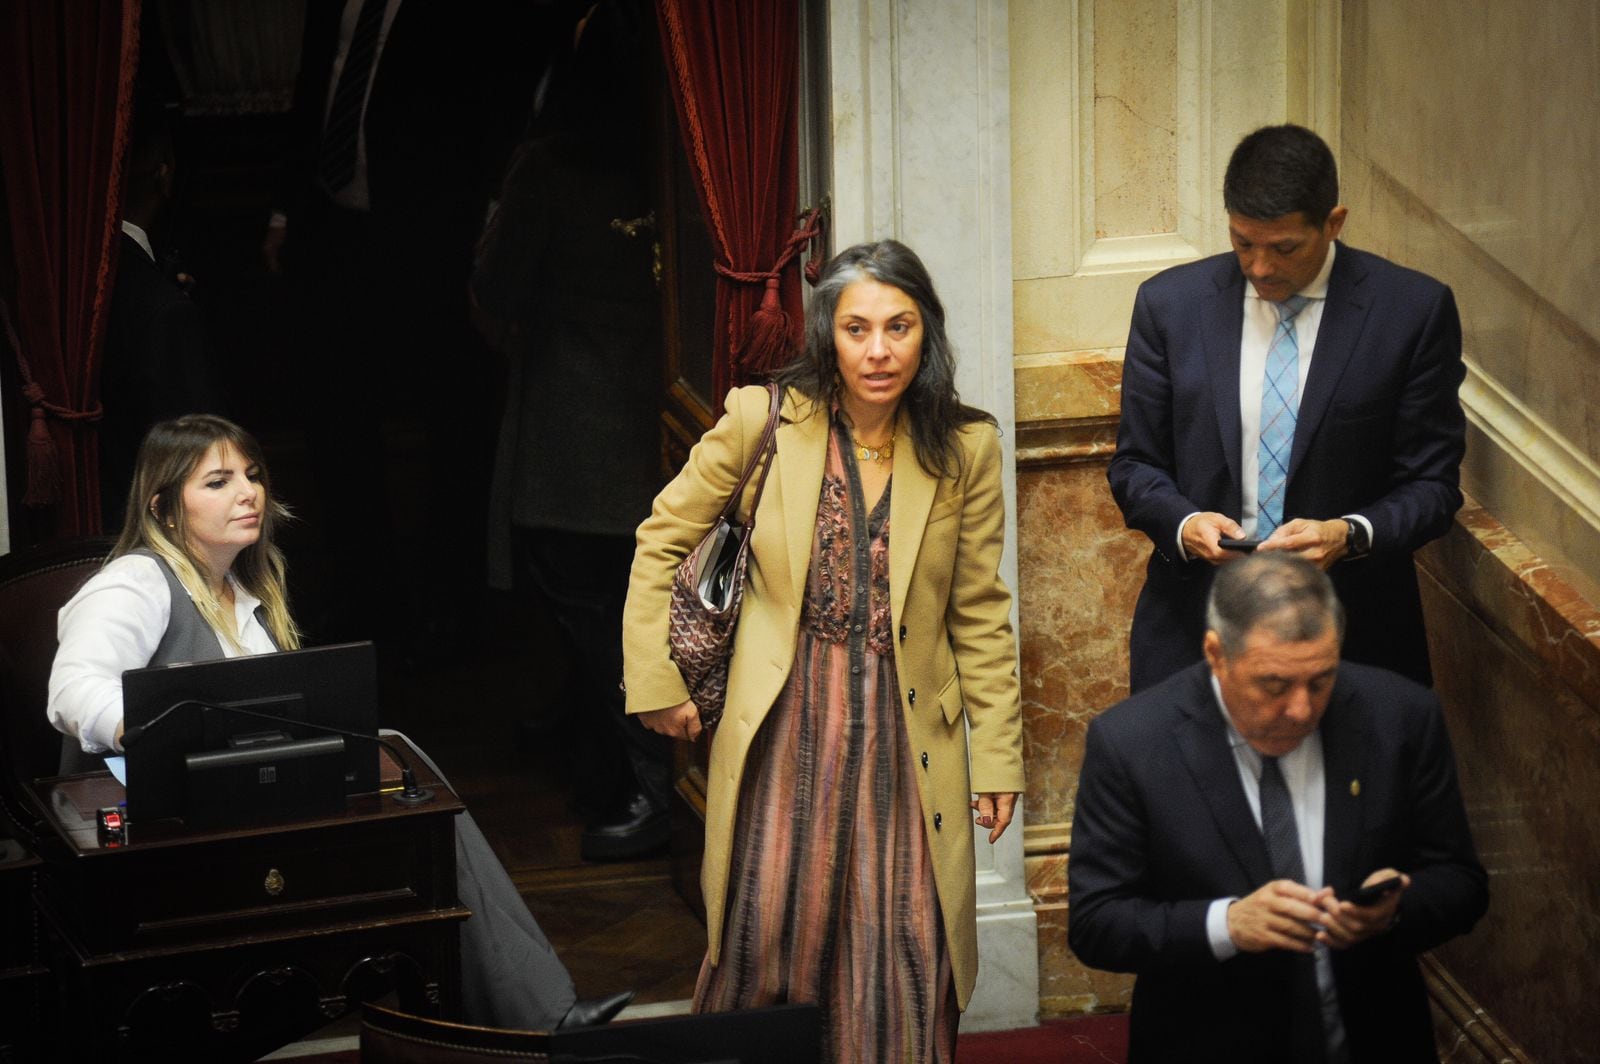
(335, 686)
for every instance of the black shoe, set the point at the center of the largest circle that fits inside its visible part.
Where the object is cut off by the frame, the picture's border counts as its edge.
(635, 827)
(595, 1011)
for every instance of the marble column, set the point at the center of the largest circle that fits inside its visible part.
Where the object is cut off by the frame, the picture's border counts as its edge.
(919, 98)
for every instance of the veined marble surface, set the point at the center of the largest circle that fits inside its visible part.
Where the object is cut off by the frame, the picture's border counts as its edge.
(1079, 573)
(1480, 179)
(1516, 662)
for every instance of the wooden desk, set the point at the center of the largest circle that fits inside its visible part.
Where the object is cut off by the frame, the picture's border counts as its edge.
(24, 981)
(223, 944)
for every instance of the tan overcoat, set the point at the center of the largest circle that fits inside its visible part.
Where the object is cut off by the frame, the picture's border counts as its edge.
(955, 655)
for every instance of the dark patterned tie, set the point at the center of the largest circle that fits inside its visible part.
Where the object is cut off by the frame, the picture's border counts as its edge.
(1283, 853)
(336, 165)
(1277, 824)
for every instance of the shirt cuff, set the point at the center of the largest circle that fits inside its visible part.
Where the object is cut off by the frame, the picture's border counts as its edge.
(1222, 946)
(1183, 555)
(1364, 524)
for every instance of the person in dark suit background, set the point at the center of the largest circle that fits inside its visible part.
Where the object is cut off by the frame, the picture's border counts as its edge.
(564, 286)
(1366, 469)
(404, 111)
(154, 364)
(1223, 814)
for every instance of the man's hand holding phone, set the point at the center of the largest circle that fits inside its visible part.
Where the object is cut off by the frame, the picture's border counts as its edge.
(1367, 912)
(1204, 535)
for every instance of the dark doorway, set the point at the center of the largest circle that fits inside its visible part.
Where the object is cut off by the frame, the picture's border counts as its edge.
(475, 676)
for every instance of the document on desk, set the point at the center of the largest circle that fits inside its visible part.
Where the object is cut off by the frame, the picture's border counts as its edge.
(119, 769)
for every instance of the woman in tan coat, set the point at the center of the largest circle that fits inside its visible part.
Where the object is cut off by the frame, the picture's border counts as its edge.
(874, 653)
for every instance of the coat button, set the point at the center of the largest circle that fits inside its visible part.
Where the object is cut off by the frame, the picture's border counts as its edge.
(938, 820)
(902, 633)
(912, 695)
(924, 759)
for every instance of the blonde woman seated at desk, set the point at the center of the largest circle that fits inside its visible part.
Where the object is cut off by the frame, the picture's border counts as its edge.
(195, 576)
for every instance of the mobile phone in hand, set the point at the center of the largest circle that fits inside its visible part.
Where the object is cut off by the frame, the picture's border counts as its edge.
(1245, 545)
(1372, 895)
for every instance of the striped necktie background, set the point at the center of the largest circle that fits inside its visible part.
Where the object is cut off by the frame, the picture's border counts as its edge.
(336, 164)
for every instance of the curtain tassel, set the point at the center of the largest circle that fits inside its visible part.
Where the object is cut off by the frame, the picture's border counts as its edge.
(44, 465)
(767, 342)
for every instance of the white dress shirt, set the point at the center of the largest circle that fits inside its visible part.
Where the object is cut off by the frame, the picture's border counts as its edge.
(139, 236)
(1303, 775)
(1260, 322)
(114, 623)
(1255, 340)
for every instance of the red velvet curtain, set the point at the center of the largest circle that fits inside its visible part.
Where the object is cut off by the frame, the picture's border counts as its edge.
(66, 89)
(733, 67)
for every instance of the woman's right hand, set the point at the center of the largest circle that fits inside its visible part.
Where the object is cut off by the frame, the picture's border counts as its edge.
(680, 722)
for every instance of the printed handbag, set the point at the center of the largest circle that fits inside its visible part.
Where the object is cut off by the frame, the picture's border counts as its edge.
(709, 586)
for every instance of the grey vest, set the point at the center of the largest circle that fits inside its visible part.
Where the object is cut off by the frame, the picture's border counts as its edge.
(188, 638)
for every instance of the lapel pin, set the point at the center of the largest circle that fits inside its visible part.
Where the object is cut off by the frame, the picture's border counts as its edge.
(1355, 788)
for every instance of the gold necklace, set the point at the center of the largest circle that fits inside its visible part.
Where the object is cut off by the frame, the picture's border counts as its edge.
(881, 453)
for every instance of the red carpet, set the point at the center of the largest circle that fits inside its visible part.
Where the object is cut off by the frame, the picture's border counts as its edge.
(1083, 1040)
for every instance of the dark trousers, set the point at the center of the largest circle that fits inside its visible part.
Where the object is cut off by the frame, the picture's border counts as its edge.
(583, 577)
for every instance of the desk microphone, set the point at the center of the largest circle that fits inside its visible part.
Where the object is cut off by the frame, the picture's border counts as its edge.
(410, 793)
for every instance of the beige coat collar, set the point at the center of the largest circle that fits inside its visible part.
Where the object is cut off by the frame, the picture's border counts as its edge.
(802, 459)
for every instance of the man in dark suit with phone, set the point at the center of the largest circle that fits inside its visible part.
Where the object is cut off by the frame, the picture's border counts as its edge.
(1227, 819)
(1314, 410)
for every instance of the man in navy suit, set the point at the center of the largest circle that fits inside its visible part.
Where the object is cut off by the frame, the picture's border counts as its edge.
(1368, 470)
(154, 365)
(1226, 817)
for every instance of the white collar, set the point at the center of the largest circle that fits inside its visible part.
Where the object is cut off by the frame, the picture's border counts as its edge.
(138, 236)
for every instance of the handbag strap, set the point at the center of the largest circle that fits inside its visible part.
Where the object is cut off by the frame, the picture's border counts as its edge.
(768, 443)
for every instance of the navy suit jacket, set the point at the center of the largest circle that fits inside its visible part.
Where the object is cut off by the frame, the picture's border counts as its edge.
(1380, 433)
(1162, 828)
(154, 366)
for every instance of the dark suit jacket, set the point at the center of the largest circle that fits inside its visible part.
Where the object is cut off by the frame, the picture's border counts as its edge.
(1380, 434)
(1162, 828)
(578, 314)
(154, 367)
(444, 108)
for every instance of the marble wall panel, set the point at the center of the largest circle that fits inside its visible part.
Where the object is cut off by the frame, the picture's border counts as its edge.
(1066, 987)
(1489, 126)
(1068, 387)
(1045, 111)
(1515, 655)
(1135, 117)
(1081, 571)
(1479, 178)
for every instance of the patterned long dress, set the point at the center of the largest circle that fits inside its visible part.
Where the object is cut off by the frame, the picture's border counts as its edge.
(831, 893)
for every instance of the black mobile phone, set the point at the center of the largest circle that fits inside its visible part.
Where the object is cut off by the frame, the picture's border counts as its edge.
(1246, 545)
(1375, 893)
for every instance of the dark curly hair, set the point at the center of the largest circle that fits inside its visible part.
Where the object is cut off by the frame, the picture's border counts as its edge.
(933, 408)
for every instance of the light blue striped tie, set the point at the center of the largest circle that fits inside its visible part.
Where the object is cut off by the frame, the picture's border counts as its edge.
(1280, 405)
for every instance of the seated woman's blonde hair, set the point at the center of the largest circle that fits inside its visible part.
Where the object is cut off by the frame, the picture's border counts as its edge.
(156, 521)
